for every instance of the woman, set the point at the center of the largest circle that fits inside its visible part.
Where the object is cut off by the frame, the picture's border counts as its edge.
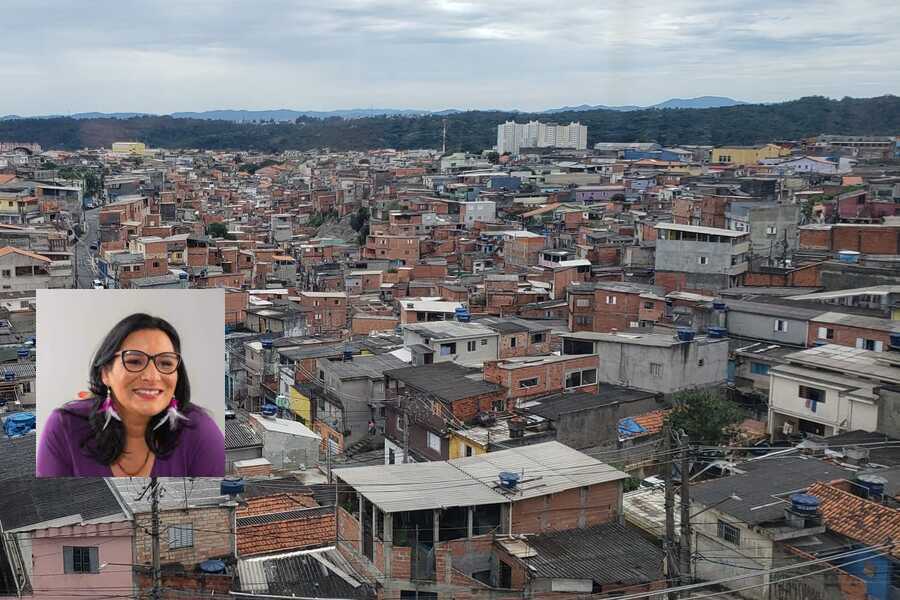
(140, 421)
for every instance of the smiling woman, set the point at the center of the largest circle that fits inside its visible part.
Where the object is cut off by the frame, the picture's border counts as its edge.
(138, 420)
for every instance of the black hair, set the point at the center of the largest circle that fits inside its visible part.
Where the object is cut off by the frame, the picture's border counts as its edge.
(106, 445)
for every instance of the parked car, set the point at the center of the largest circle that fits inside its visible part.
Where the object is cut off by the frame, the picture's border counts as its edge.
(98, 285)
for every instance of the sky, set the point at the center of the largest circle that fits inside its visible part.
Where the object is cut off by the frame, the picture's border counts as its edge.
(162, 56)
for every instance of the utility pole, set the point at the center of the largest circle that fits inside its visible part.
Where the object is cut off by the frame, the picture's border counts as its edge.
(405, 433)
(156, 593)
(669, 541)
(328, 458)
(444, 144)
(685, 554)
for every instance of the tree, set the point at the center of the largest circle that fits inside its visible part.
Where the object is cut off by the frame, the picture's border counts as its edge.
(493, 158)
(705, 416)
(217, 230)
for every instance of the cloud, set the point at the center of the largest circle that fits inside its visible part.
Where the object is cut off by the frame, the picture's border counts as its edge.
(200, 54)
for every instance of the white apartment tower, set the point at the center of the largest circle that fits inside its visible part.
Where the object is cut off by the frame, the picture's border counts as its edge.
(512, 136)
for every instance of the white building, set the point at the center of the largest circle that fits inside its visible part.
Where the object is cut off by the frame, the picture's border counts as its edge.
(512, 136)
(830, 389)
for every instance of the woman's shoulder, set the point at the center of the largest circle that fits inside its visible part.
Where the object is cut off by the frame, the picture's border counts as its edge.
(202, 423)
(75, 409)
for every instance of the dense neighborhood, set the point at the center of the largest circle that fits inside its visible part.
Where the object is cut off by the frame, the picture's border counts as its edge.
(551, 370)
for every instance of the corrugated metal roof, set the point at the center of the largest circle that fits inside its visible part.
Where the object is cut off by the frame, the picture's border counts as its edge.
(418, 486)
(606, 554)
(547, 468)
(320, 573)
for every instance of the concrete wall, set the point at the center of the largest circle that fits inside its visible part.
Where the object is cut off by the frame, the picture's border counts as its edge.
(482, 352)
(286, 451)
(629, 364)
(784, 217)
(675, 255)
(762, 327)
(889, 413)
(599, 425)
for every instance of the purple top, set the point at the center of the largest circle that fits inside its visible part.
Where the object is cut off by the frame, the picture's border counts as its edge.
(200, 451)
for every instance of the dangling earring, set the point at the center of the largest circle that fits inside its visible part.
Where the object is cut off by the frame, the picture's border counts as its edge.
(108, 408)
(172, 416)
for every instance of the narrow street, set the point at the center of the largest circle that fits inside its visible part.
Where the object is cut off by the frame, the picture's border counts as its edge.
(84, 264)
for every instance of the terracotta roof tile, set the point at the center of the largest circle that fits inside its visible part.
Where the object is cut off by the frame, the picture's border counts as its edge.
(276, 503)
(857, 518)
(318, 529)
(11, 250)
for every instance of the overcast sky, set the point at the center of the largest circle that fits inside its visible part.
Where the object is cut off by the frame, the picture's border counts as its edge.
(164, 56)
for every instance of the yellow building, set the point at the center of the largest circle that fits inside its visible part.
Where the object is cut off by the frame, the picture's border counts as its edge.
(462, 445)
(135, 148)
(746, 155)
(301, 406)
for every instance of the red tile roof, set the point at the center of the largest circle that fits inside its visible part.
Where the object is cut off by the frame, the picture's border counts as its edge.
(11, 250)
(652, 421)
(857, 518)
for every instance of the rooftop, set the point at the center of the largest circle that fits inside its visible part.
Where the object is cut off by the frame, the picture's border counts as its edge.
(860, 321)
(884, 366)
(283, 426)
(699, 229)
(657, 340)
(370, 366)
(606, 554)
(764, 486)
(446, 330)
(446, 381)
(551, 467)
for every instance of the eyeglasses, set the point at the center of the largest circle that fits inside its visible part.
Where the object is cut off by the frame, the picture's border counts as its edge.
(136, 361)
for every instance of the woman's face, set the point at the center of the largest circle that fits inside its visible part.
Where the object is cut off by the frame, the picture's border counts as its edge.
(145, 393)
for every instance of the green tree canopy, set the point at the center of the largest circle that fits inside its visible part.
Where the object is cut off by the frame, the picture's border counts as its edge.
(217, 230)
(706, 416)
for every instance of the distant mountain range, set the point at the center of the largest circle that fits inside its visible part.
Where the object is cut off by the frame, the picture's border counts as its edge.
(287, 115)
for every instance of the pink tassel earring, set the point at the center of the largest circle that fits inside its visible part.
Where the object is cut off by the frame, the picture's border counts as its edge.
(172, 416)
(110, 410)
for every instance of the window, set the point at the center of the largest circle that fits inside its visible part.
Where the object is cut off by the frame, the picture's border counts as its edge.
(448, 349)
(7, 272)
(656, 369)
(729, 533)
(81, 559)
(771, 230)
(538, 338)
(873, 345)
(527, 383)
(26, 387)
(584, 320)
(582, 302)
(434, 442)
(512, 342)
(392, 456)
(781, 325)
(181, 536)
(826, 333)
(155, 263)
(470, 346)
(611, 299)
(702, 260)
(758, 368)
(700, 363)
(580, 378)
(399, 422)
(812, 396)
(469, 450)
(648, 305)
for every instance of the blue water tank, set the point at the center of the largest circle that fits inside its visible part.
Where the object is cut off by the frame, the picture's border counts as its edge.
(848, 256)
(348, 353)
(266, 343)
(805, 504)
(182, 275)
(19, 424)
(719, 305)
(895, 341)
(212, 566)
(23, 352)
(509, 480)
(231, 486)
(462, 314)
(269, 409)
(717, 332)
(685, 334)
(9, 376)
(873, 485)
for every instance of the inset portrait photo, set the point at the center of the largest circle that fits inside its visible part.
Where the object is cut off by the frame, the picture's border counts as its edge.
(130, 383)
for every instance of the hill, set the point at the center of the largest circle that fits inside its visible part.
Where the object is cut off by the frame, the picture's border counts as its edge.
(475, 130)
